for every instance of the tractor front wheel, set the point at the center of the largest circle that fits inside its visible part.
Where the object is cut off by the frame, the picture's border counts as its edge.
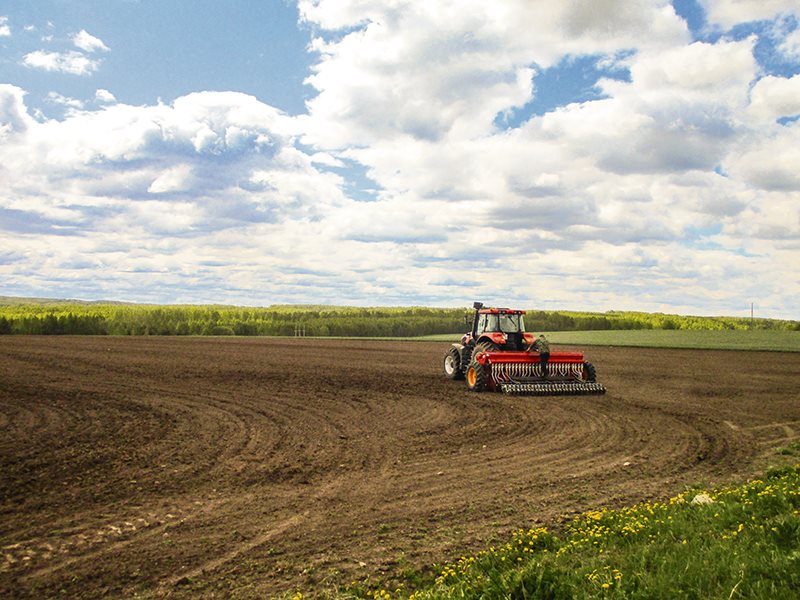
(452, 364)
(476, 376)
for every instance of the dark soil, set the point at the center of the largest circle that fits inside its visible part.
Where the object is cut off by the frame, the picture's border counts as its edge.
(210, 467)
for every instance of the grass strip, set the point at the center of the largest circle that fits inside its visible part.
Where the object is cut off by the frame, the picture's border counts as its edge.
(732, 542)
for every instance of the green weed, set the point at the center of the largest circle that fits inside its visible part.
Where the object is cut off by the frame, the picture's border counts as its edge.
(739, 542)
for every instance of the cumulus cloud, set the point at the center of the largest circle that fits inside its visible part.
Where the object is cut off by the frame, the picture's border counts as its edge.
(104, 97)
(87, 42)
(5, 28)
(430, 70)
(775, 97)
(412, 91)
(56, 98)
(74, 63)
(769, 163)
(327, 159)
(228, 154)
(790, 46)
(728, 13)
(174, 179)
(165, 194)
(696, 69)
(14, 117)
(675, 188)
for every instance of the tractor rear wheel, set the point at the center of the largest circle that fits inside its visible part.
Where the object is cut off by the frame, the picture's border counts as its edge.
(476, 376)
(452, 364)
(485, 346)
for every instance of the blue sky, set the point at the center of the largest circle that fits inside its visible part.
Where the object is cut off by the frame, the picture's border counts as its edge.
(599, 155)
(167, 49)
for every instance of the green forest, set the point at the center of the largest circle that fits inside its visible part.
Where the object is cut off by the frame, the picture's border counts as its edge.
(19, 316)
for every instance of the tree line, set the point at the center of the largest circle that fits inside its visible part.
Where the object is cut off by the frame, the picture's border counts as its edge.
(129, 319)
(113, 319)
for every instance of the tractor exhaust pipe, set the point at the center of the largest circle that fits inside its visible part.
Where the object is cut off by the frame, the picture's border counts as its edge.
(477, 306)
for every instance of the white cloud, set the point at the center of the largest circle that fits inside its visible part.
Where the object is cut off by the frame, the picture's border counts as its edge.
(448, 68)
(57, 98)
(790, 46)
(226, 151)
(697, 68)
(730, 12)
(769, 162)
(675, 190)
(774, 97)
(14, 117)
(159, 217)
(74, 63)
(5, 28)
(326, 159)
(104, 97)
(88, 43)
(174, 179)
(635, 169)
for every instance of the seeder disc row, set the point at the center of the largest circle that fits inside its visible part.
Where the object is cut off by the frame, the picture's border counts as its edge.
(553, 389)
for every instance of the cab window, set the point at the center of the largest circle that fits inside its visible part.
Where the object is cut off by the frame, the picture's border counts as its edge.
(511, 323)
(487, 322)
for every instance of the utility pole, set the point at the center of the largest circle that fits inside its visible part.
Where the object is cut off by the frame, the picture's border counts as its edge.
(751, 315)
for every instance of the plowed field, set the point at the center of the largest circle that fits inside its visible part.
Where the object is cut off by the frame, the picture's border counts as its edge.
(184, 467)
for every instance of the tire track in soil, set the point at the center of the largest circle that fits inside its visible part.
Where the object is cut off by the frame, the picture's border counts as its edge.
(282, 460)
(216, 562)
(191, 402)
(772, 434)
(104, 543)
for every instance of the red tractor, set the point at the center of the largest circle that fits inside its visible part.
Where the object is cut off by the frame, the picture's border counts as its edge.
(499, 355)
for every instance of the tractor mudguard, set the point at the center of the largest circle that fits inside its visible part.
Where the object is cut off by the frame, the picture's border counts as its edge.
(495, 337)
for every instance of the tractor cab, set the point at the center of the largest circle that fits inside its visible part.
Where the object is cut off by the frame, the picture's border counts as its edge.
(499, 328)
(503, 320)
